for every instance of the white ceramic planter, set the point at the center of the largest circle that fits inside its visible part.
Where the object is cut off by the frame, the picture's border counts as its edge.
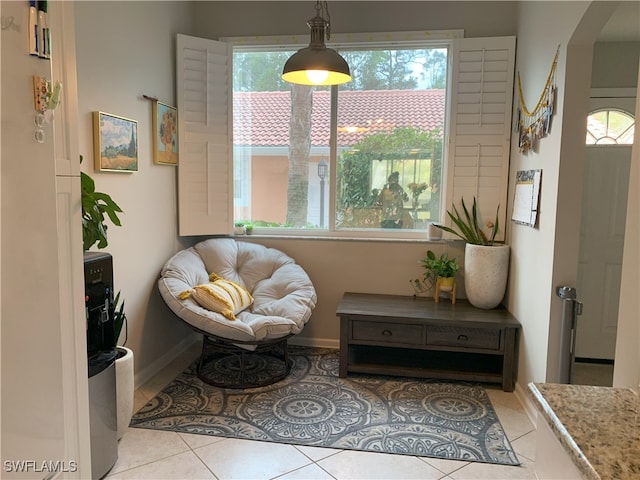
(124, 390)
(485, 274)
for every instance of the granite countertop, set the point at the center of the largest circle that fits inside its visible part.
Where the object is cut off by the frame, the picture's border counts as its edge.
(599, 427)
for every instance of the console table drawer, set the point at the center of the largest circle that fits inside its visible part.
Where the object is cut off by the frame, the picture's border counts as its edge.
(463, 337)
(387, 332)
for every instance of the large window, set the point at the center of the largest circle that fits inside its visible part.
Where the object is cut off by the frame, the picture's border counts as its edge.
(381, 175)
(423, 125)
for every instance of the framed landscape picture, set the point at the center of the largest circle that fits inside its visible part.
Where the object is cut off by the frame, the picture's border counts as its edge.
(165, 136)
(115, 143)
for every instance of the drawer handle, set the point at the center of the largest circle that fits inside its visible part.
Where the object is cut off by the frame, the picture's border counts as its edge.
(463, 338)
(387, 333)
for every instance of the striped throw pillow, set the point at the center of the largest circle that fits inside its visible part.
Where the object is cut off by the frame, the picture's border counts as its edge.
(219, 295)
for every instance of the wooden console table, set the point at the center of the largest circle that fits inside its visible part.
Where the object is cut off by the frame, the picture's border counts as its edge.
(416, 337)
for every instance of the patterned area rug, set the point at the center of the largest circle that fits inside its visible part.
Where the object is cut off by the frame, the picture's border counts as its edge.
(314, 407)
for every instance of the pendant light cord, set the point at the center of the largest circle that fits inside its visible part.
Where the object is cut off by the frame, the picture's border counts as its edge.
(325, 8)
(322, 7)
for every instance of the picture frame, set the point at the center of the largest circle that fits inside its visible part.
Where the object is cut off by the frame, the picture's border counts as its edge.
(165, 134)
(115, 143)
(526, 202)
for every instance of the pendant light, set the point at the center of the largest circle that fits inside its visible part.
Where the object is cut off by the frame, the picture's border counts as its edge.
(317, 64)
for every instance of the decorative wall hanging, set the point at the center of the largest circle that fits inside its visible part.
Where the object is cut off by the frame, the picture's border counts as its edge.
(115, 143)
(527, 195)
(46, 97)
(165, 128)
(536, 123)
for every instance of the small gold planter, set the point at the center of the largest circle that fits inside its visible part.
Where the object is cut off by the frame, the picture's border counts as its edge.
(445, 285)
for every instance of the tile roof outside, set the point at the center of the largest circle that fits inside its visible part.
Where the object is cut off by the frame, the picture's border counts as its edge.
(262, 118)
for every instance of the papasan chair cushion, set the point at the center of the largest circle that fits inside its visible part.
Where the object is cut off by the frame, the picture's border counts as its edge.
(283, 295)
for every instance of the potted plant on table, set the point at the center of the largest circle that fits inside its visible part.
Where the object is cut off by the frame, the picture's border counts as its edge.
(95, 205)
(441, 273)
(486, 263)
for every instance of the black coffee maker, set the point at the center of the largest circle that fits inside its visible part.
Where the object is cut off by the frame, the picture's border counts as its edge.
(101, 358)
(98, 298)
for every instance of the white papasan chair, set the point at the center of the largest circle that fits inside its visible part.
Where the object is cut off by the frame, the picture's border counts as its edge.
(250, 350)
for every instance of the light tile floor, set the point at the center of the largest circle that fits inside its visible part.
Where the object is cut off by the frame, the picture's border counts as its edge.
(158, 455)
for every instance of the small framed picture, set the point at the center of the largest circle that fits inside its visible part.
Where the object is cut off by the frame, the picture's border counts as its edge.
(165, 136)
(115, 143)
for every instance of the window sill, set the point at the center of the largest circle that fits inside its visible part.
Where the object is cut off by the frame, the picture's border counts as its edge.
(339, 238)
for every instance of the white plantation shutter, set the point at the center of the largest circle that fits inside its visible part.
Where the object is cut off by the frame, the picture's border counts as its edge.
(205, 196)
(480, 125)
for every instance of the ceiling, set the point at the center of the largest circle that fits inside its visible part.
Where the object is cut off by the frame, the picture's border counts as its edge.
(624, 24)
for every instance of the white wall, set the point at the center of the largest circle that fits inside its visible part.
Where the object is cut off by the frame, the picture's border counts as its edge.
(615, 65)
(529, 292)
(546, 257)
(627, 366)
(125, 50)
(232, 18)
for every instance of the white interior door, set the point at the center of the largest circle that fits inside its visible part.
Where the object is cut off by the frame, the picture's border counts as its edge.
(602, 239)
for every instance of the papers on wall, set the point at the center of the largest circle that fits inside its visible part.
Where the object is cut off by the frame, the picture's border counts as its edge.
(527, 195)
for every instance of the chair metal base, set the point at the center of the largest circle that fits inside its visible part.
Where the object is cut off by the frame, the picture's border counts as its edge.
(225, 364)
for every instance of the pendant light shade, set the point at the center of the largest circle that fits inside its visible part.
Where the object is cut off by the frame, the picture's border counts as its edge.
(317, 64)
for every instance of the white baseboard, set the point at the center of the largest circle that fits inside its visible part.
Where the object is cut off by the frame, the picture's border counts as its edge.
(144, 375)
(314, 342)
(527, 404)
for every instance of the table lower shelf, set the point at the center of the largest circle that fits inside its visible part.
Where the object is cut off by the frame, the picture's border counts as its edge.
(474, 367)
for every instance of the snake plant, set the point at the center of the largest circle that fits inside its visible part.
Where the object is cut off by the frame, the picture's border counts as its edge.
(468, 228)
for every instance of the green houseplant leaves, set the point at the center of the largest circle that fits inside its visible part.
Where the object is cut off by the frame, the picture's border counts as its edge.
(94, 207)
(468, 228)
(434, 268)
(119, 318)
(441, 266)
